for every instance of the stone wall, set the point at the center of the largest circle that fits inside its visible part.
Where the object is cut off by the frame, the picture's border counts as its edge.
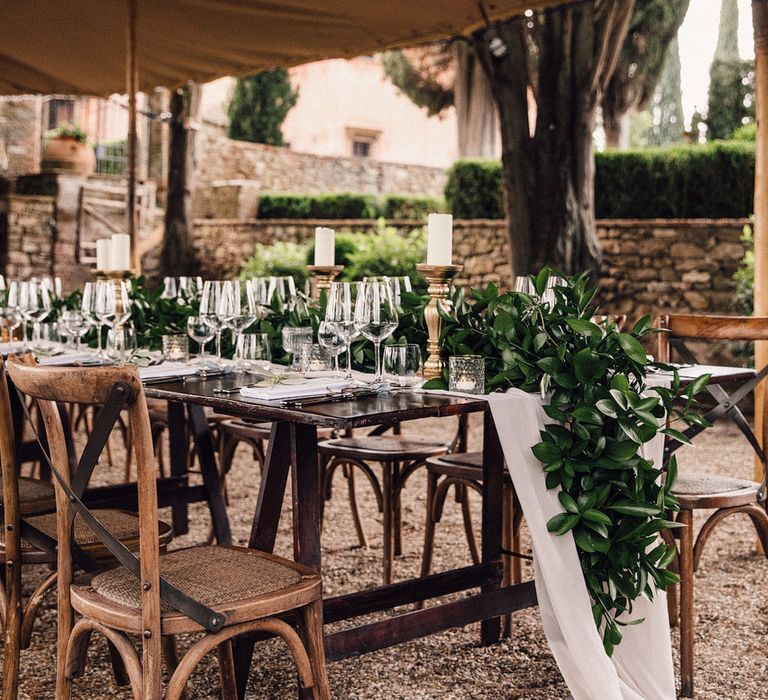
(648, 265)
(31, 226)
(19, 135)
(230, 173)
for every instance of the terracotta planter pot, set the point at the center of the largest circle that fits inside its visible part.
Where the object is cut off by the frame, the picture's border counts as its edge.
(66, 153)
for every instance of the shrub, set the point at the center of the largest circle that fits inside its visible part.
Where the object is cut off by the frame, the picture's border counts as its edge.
(716, 180)
(747, 132)
(319, 206)
(409, 207)
(475, 190)
(279, 259)
(386, 252)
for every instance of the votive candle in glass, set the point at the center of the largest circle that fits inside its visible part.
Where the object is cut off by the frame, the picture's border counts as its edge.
(175, 347)
(466, 374)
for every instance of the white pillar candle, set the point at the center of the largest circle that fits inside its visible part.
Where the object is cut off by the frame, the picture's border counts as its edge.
(439, 239)
(120, 253)
(325, 247)
(103, 254)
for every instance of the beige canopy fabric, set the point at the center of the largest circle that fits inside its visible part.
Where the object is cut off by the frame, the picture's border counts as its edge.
(79, 46)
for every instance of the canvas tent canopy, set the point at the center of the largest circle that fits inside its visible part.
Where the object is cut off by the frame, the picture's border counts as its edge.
(80, 46)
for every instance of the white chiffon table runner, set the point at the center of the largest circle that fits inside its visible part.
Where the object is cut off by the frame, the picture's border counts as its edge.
(641, 666)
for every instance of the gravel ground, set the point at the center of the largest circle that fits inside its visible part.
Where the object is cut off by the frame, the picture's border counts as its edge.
(731, 600)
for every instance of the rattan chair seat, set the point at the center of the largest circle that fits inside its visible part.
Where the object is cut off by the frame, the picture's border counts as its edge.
(35, 496)
(722, 490)
(382, 447)
(243, 583)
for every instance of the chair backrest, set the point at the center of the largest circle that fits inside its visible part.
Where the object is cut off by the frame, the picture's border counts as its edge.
(93, 386)
(681, 327)
(11, 507)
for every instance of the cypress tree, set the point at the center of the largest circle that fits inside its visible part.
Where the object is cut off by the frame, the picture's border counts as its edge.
(259, 106)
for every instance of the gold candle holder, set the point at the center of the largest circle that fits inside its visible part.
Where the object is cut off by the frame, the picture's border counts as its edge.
(324, 275)
(439, 278)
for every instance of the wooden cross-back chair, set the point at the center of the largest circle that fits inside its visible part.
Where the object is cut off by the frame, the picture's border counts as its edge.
(724, 494)
(160, 594)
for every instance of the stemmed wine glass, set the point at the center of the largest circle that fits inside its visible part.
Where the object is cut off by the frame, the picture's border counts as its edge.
(34, 305)
(201, 331)
(332, 342)
(76, 325)
(210, 305)
(11, 315)
(284, 290)
(376, 316)
(340, 315)
(293, 341)
(189, 288)
(237, 306)
(169, 288)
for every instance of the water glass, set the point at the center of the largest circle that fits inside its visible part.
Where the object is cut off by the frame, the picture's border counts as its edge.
(331, 341)
(189, 288)
(201, 331)
(466, 374)
(121, 344)
(402, 366)
(253, 352)
(282, 291)
(175, 347)
(314, 358)
(48, 338)
(376, 316)
(293, 340)
(169, 288)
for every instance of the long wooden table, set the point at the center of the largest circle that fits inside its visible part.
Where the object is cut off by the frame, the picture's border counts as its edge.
(293, 451)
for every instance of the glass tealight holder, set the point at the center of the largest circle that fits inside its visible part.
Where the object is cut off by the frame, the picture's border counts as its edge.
(175, 347)
(466, 374)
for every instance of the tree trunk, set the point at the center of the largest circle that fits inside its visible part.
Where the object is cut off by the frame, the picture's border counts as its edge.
(178, 253)
(476, 114)
(549, 178)
(617, 130)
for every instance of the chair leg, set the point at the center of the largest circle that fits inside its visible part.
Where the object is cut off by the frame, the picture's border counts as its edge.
(389, 517)
(226, 670)
(466, 514)
(171, 656)
(12, 619)
(312, 632)
(429, 527)
(686, 603)
(349, 474)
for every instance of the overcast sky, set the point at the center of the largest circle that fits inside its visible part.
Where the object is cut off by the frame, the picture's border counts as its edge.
(698, 38)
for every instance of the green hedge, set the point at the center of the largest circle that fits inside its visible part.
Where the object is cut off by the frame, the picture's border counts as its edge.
(474, 190)
(346, 205)
(686, 182)
(408, 207)
(343, 205)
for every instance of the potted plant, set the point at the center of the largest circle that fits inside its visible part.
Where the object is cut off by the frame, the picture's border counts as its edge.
(67, 149)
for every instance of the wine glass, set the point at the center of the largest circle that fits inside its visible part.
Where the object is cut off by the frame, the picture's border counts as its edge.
(9, 312)
(210, 304)
(88, 307)
(523, 285)
(293, 340)
(399, 285)
(169, 288)
(284, 290)
(35, 305)
(237, 306)
(190, 288)
(333, 342)
(402, 365)
(549, 298)
(48, 338)
(340, 314)
(253, 352)
(114, 305)
(376, 316)
(202, 332)
(76, 324)
(103, 292)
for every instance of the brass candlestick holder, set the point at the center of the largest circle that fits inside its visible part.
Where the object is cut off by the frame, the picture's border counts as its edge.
(439, 278)
(324, 275)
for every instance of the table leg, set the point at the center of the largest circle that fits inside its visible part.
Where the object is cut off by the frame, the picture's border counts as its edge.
(307, 495)
(493, 472)
(266, 520)
(177, 447)
(201, 433)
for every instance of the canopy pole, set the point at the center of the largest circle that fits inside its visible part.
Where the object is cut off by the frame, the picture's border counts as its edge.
(132, 82)
(760, 26)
